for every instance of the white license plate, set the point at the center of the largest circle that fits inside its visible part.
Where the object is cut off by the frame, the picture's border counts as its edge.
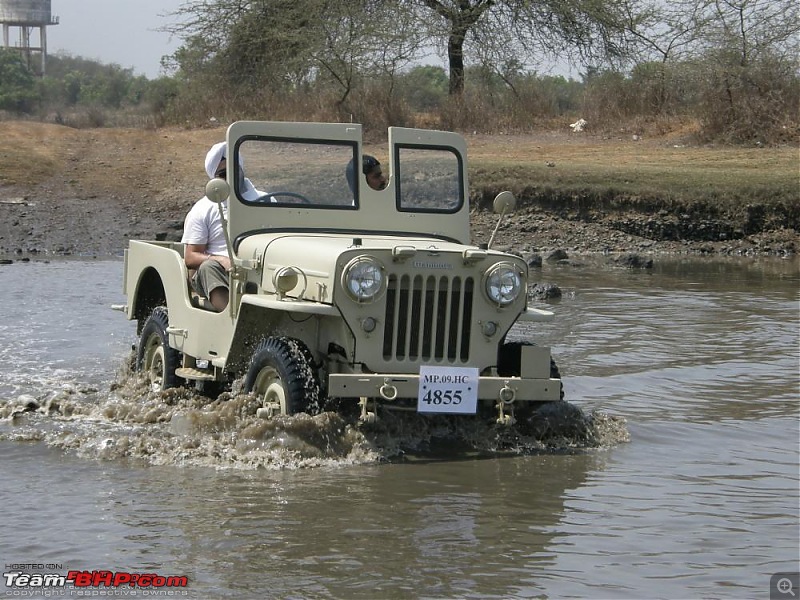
(448, 390)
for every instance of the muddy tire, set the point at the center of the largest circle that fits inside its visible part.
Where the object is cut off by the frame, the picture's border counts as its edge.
(154, 356)
(282, 375)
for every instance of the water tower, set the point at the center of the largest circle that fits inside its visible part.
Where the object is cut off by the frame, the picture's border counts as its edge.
(27, 16)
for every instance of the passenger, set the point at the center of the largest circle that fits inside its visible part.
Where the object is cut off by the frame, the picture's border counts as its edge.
(205, 249)
(372, 171)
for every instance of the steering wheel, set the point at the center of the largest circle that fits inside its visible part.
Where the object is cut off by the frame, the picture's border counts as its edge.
(292, 198)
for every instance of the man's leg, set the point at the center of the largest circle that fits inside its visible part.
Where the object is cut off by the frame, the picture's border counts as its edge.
(219, 298)
(212, 282)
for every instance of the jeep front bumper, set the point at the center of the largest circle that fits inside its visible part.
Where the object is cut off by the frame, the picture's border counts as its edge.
(391, 386)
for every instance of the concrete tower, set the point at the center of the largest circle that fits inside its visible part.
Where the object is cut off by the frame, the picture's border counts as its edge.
(27, 15)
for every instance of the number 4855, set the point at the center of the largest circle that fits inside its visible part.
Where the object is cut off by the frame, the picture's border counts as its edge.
(442, 397)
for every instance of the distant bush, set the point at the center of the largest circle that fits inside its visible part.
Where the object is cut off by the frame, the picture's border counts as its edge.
(752, 102)
(17, 84)
(757, 102)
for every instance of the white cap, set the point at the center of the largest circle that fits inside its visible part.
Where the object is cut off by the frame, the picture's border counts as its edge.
(214, 157)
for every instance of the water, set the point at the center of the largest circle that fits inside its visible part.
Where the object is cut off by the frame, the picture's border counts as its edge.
(693, 495)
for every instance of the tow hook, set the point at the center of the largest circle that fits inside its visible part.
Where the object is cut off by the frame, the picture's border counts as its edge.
(367, 416)
(505, 402)
(388, 391)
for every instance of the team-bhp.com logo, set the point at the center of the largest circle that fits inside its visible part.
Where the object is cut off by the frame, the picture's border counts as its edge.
(148, 583)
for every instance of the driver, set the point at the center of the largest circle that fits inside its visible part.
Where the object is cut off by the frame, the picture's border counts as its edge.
(205, 249)
(371, 168)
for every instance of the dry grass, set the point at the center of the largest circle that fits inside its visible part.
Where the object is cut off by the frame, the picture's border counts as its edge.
(102, 161)
(30, 152)
(661, 168)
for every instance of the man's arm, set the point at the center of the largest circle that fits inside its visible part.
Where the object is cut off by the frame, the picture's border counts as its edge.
(195, 255)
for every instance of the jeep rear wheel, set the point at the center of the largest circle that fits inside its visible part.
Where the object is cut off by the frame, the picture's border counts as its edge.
(283, 377)
(154, 357)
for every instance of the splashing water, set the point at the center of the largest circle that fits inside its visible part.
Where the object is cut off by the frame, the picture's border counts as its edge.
(182, 427)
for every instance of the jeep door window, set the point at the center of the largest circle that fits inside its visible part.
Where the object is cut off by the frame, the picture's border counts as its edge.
(429, 179)
(309, 173)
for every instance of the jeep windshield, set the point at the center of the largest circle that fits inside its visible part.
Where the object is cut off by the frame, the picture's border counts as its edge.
(320, 174)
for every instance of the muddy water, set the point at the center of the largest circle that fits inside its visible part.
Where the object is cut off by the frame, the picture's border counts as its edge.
(680, 480)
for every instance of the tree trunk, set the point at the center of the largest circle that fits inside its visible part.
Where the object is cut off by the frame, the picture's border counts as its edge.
(455, 57)
(462, 16)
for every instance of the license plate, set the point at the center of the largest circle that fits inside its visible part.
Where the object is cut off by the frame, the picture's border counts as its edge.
(448, 390)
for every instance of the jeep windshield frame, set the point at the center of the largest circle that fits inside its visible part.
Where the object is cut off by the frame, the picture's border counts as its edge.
(424, 180)
(301, 182)
(286, 172)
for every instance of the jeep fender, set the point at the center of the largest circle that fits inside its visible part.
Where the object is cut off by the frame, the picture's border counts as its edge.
(261, 316)
(155, 276)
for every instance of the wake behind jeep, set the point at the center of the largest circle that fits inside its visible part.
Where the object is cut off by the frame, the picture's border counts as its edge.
(374, 298)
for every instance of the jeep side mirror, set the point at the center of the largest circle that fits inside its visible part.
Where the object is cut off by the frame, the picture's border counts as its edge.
(503, 203)
(218, 190)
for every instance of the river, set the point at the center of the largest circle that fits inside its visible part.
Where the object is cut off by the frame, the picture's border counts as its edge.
(687, 375)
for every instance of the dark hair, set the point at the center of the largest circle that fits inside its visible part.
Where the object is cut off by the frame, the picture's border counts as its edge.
(368, 162)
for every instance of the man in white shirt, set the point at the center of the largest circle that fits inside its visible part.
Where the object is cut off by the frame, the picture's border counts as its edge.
(205, 249)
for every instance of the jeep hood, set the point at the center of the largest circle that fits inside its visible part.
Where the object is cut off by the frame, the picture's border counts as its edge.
(317, 256)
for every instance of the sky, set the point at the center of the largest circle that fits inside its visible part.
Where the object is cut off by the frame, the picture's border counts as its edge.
(123, 32)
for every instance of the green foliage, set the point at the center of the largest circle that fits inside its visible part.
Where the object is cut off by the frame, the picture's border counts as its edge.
(160, 93)
(559, 96)
(78, 81)
(17, 84)
(424, 87)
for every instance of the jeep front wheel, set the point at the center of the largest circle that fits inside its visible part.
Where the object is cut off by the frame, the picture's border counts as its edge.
(154, 357)
(282, 376)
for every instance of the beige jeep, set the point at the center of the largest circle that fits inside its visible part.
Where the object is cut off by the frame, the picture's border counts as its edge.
(342, 295)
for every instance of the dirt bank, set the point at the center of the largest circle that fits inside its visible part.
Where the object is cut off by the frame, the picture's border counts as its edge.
(87, 192)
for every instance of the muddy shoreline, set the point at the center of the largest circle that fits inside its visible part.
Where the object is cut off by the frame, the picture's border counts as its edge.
(34, 224)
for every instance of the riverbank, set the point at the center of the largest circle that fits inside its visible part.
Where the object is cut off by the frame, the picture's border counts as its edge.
(73, 192)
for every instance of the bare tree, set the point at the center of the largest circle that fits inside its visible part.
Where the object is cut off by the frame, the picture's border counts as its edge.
(289, 42)
(750, 54)
(335, 35)
(666, 31)
(754, 27)
(524, 31)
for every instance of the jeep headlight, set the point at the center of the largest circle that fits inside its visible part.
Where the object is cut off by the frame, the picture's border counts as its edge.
(503, 283)
(363, 278)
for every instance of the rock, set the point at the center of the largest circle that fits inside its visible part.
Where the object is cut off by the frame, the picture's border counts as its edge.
(534, 261)
(29, 403)
(557, 255)
(544, 291)
(634, 261)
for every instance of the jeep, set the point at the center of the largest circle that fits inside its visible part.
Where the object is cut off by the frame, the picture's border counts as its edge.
(342, 295)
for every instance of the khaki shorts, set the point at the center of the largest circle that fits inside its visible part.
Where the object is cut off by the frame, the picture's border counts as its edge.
(210, 276)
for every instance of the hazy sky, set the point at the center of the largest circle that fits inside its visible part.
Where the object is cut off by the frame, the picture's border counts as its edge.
(123, 32)
(114, 31)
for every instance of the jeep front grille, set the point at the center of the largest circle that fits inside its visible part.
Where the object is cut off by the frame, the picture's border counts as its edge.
(428, 318)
